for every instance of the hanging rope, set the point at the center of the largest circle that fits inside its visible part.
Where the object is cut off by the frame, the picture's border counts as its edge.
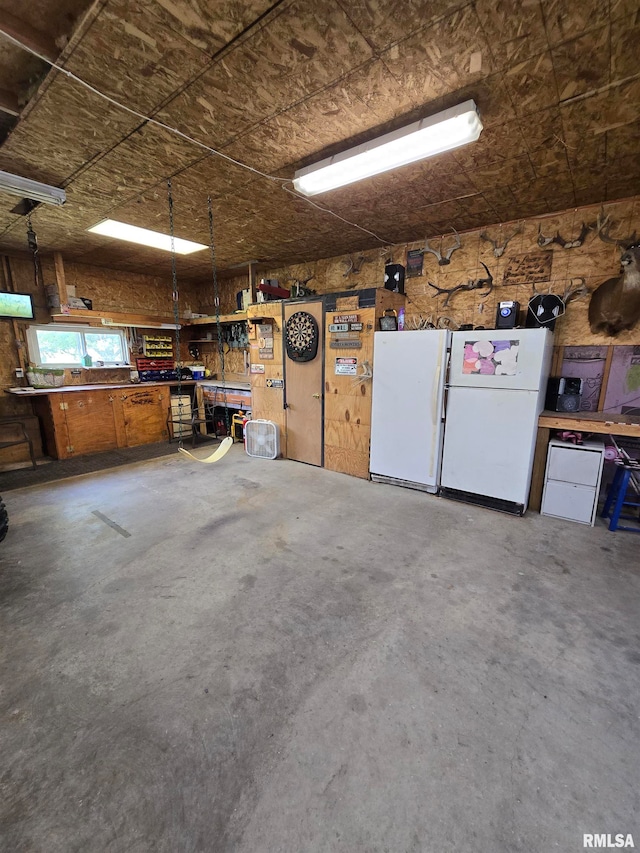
(216, 298)
(175, 295)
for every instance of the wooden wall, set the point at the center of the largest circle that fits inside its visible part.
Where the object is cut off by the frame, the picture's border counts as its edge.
(594, 261)
(110, 290)
(268, 402)
(347, 401)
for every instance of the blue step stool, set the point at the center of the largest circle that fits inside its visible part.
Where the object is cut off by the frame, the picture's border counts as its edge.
(618, 497)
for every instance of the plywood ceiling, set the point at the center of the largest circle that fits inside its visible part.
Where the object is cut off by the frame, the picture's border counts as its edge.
(279, 85)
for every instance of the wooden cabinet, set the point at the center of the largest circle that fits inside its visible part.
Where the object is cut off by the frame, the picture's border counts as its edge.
(91, 421)
(144, 415)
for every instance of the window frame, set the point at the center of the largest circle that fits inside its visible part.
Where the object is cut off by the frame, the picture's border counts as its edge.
(34, 347)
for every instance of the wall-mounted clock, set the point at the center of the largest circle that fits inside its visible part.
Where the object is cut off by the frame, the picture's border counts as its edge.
(301, 336)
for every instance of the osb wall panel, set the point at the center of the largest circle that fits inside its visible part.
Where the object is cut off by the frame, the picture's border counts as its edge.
(235, 362)
(117, 290)
(347, 402)
(592, 263)
(227, 289)
(268, 402)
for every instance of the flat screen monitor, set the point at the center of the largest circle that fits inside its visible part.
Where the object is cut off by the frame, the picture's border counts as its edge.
(17, 305)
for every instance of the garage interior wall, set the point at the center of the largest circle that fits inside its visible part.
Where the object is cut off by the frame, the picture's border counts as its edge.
(593, 262)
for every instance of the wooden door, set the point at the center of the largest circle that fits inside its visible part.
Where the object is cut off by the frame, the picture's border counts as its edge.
(304, 393)
(90, 422)
(145, 415)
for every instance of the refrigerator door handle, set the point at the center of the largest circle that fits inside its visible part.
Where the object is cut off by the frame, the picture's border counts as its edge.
(434, 410)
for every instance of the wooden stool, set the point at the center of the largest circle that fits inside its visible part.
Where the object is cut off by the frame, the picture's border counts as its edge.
(624, 481)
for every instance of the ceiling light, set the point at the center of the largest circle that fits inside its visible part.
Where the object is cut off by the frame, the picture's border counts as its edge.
(24, 188)
(441, 132)
(145, 237)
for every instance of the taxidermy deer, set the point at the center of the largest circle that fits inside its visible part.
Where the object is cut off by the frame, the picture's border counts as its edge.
(615, 304)
(498, 248)
(443, 258)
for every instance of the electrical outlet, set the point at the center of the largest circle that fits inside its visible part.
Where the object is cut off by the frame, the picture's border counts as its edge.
(19, 373)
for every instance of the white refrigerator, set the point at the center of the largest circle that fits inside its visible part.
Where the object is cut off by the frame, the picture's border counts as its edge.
(407, 407)
(496, 390)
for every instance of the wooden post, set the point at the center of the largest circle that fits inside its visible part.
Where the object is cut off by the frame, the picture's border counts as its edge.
(252, 282)
(61, 280)
(556, 361)
(539, 466)
(605, 379)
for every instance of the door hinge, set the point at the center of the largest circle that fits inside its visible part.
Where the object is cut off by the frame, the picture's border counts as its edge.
(64, 406)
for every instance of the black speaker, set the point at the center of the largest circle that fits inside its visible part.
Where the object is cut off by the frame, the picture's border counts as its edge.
(394, 277)
(564, 394)
(507, 315)
(543, 310)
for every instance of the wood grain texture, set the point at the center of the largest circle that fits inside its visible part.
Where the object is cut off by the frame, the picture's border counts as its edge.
(283, 85)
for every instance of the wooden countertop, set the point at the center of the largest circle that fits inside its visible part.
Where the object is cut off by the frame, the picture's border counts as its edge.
(598, 422)
(110, 386)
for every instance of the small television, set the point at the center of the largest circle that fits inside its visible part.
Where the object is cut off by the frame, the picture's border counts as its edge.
(16, 305)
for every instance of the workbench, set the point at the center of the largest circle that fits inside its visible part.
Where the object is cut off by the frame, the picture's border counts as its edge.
(79, 419)
(601, 423)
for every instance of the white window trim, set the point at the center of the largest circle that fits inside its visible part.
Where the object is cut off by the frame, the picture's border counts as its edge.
(34, 349)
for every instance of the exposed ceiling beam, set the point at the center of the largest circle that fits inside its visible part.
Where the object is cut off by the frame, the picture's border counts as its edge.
(24, 34)
(9, 103)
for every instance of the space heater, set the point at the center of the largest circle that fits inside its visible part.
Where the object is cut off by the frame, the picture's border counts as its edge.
(262, 439)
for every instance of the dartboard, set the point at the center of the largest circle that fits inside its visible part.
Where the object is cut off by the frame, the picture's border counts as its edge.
(301, 336)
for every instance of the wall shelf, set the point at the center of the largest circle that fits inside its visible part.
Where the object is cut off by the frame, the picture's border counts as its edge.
(239, 317)
(96, 318)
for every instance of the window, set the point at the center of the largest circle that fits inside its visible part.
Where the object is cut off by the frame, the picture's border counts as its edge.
(57, 345)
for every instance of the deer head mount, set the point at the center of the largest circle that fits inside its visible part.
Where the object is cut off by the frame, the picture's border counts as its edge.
(443, 259)
(574, 243)
(615, 304)
(472, 284)
(498, 248)
(354, 265)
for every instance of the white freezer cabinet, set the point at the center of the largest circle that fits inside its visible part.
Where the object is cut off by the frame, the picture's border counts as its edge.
(572, 481)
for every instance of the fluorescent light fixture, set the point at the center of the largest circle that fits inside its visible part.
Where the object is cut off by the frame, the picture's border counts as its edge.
(441, 132)
(144, 237)
(25, 188)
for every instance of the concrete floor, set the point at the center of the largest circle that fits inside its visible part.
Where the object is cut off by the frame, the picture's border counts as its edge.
(264, 656)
